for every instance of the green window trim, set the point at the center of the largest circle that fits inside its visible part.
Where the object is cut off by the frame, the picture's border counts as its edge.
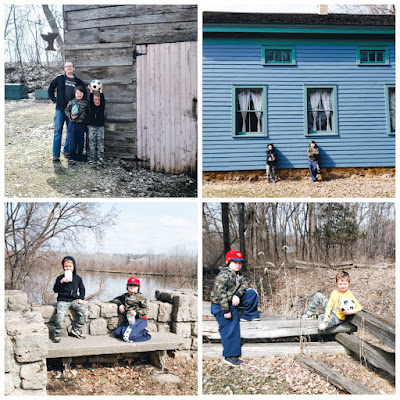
(390, 127)
(251, 115)
(311, 120)
(372, 56)
(278, 55)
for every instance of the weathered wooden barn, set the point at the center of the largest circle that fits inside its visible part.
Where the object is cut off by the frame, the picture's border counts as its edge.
(146, 57)
(287, 79)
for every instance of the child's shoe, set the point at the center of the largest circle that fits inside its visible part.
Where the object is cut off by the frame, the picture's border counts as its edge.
(232, 361)
(78, 333)
(322, 326)
(56, 339)
(309, 315)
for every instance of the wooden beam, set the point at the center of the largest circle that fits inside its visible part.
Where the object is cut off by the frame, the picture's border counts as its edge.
(374, 355)
(381, 328)
(276, 328)
(341, 382)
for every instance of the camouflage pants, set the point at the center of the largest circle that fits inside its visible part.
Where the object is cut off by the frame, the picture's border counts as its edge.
(322, 300)
(96, 143)
(62, 309)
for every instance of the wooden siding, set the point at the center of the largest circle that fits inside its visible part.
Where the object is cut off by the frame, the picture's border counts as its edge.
(101, 40)
(167, 106)
(362, 140)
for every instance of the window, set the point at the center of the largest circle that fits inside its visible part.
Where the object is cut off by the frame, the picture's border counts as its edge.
(249, 105)
(320, 103)
(390, 94)
(372, 56)
(278, 55)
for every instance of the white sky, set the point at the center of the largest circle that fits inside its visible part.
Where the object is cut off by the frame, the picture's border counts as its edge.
(149, 227)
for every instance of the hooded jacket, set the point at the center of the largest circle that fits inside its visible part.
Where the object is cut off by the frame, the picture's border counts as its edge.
(69, 291)
(226, 284)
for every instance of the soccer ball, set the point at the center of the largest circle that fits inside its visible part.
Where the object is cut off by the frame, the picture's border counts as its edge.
(347, 305)
(95, 84)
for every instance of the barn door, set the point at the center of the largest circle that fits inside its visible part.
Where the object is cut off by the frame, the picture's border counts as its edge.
(167, 106)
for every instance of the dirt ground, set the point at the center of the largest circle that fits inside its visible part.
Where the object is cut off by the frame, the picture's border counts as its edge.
(179, 378)
(30, 172)
(374, 288)
(351, 187)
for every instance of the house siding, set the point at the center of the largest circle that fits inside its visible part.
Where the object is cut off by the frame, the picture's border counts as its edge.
(362, 139)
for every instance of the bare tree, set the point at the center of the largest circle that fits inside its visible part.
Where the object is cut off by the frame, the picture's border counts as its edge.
(32, 229)
(225, 226)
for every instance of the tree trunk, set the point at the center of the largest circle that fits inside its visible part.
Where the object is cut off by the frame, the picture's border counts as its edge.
(225, 226)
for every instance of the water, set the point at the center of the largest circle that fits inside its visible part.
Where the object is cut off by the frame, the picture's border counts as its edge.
(113, 285)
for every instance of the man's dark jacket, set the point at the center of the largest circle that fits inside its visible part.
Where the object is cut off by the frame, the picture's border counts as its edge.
(59, 84)
(69, 291)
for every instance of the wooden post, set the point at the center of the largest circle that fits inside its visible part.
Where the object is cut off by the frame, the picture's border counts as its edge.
(341, 382)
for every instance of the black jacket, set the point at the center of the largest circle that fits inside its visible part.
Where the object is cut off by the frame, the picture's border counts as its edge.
(72, 290)
(59, 84)
(269, 154)
(96, 113)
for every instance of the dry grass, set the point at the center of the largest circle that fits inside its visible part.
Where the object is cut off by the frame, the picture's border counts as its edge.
(353, 187)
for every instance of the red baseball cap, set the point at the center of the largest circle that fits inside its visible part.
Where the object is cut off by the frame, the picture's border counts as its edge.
(133, 281)
(234, 255)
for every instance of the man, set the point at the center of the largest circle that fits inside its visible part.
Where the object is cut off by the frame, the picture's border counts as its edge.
(64, 86)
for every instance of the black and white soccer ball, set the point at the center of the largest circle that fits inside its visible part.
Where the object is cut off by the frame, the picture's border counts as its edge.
(347, 305)
(95, 84)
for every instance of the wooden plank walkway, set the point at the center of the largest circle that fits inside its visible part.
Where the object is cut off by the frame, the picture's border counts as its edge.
(255, 350)
(276, 328)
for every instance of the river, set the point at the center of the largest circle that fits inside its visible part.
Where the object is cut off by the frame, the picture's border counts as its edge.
(113, 285)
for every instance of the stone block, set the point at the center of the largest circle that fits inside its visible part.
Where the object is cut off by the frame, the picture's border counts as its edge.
(185, 308)
(34, 376)
(8, 354)
(152, 327)
(153, 310)
(94, 310)
(109, 310)
(8, 384)
(31, 347)
(98, 327)
(194, 345)
(47, 311)
(18, 301)
(186, 344)
(163, 328)
(165, 312)
(194, 329)
(182, 329)
(113, 323)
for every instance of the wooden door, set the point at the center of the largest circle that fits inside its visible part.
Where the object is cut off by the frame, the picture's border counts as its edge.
(167, 106)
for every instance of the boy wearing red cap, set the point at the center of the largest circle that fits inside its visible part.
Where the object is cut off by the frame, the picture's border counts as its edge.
(134, 306)
(231, 292)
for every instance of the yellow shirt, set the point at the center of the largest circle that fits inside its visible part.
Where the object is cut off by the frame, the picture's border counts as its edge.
(334, 303)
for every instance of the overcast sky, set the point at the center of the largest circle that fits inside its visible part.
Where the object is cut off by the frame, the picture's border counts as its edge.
(149, 227)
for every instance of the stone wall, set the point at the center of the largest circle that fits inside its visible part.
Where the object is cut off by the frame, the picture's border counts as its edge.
(296, 174)
(29, 327)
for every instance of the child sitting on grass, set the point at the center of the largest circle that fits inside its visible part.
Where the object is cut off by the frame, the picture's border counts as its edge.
(230, 292)
(333, 314)
(134, 306)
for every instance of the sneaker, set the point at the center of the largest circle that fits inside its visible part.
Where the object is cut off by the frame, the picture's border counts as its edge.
(322, 326)
(309, 315)
(56, 339)
(256, 319)
(56, 158)
(232, 361)
(77, 333)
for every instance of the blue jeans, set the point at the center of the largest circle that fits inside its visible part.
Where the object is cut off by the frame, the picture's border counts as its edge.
(313, 166)
(59, 119)
(229, 329)
(76, 140)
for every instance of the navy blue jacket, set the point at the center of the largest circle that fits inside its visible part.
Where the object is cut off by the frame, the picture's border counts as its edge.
(59, 84)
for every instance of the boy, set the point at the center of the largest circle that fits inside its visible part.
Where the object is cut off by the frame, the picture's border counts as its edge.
(134, 305)
(313, 165)
(71, 293)
(333, 315)
(96, 126)
(271, 163)
(230, 291)
(77, 111)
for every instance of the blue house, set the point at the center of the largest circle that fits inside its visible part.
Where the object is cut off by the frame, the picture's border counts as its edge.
(287, 79)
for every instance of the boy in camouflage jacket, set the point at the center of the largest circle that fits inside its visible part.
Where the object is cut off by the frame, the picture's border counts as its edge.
(230, 292)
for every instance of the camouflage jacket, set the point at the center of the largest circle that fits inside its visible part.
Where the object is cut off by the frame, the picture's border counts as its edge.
(226, 284)
(135, 301)
(313, 153)
(82, 113)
